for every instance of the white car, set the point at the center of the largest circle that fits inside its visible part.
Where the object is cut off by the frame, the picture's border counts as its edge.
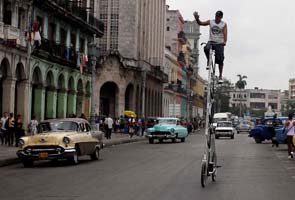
(224, 129)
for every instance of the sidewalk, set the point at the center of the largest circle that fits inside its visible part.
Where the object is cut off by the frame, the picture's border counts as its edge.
(8, 154)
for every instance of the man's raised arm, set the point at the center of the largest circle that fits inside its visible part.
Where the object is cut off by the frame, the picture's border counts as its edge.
(197, 17)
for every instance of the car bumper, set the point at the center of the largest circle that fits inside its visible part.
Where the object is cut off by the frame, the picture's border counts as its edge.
(224, 134)
(67, 153)
(161, 136)
(243, 130)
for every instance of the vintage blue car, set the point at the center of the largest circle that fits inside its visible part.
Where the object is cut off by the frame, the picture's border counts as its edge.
(167, 128)
(264, 131)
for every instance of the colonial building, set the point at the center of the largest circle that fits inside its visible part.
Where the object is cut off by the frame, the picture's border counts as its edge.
(175, 42)
(131, 70)
(256, 99)
(292, 88)
(48, 77)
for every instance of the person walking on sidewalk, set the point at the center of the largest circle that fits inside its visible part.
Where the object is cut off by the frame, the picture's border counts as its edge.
(289, 125)
(33, 126)
(10, 130)
(109, 126)
(4, 120)
(19, 131)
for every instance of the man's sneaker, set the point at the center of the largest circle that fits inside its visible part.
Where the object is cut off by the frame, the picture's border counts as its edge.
(207, 67)
(220, 80)
(289, 157)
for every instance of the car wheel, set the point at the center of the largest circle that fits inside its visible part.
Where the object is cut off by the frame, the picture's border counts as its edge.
(161, 140)
(151, 140)
(28, 163)
(216, 137)
(238, 132)
(232, 137)
(182, 139)
(95, 155)
(173, 140)
(258, 139)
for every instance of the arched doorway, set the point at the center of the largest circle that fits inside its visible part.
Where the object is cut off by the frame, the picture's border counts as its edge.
(129, 94)
(71, 104)
(80, 95)
(109, 95)
(19, 89)
(5, 72)
(87, 100)
(37, 87)
(61, 97)
(49, 96)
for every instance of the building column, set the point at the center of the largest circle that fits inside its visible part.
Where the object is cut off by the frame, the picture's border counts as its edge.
(62, 105)
(9, 95)
(68, 43)
(39, 103)
(45, 27)
(120, 101)
(22, 100)
(71, 104)
(51, 99)
(14, 15)
(1, 10)
(77, 47)
(57, 35)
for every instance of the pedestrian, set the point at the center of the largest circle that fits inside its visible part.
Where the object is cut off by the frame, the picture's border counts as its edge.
(142, 126)
(10, 130)
(289, 125)
(1, 134)
(122, 123)
(109, 126)
(19, 131)
(83, 116)
(130, 127)
(217, 38)
(33, 126)
(4, 122)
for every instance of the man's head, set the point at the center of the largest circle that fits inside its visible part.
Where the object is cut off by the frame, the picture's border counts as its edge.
(218, 16)
(5, 114)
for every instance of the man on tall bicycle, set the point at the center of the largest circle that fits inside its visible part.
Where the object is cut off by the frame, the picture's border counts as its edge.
(217, 38)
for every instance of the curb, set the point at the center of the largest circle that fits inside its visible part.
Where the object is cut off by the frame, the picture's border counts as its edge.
(12, 161)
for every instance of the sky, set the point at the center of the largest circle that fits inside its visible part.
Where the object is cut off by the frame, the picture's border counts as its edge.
(261, 38)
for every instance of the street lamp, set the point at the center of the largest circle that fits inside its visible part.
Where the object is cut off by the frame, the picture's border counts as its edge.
(93, 52)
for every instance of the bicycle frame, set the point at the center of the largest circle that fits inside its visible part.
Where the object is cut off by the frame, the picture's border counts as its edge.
(209, 160)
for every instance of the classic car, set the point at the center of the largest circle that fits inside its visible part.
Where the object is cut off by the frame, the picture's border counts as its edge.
(224, 129)
(244, 126)
(60, 139)
(264, 131)
(167, 128)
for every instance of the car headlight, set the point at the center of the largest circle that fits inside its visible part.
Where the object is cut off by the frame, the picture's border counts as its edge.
(66, 140)
(21, 143)
(172, 130)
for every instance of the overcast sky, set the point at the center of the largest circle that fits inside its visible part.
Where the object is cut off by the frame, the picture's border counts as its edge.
(261, 38)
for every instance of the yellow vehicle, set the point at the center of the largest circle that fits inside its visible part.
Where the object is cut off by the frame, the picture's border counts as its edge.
(129, 113)
(60, 139)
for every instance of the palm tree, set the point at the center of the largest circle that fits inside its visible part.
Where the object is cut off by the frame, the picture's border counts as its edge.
(241, 83)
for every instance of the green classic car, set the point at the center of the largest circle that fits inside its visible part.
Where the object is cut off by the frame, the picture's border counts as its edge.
(167, 128)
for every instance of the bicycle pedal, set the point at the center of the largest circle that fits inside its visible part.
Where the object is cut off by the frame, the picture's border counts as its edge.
(218, 166)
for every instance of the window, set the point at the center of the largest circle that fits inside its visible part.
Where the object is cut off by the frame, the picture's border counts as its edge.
(234, 95)
(257, 105)
(51, 32)
(168, 28)
(167, 19)
(257, 95)
(82, 45)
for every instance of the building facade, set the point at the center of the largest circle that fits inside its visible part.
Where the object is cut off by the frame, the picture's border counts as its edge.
(292, 88)
(256, 99)
(45, 71)
(131, 68)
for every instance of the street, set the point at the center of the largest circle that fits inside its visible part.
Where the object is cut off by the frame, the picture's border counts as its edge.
(141, 171)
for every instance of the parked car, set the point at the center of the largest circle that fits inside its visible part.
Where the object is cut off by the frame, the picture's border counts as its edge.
(243, 126)
(60, 139)
(265, 130)
(167, 128)
(224, 129)
(151, 122)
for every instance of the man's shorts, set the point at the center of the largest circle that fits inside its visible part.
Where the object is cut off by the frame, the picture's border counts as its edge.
(219, 52)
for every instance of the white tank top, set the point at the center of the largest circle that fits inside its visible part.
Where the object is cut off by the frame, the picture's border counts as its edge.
(216, 32)
(291, 128)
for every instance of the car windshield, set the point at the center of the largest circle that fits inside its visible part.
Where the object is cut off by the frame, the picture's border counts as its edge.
(60, 126)
(269, 122)
(167, 121)
(245, 123)
(224, 124)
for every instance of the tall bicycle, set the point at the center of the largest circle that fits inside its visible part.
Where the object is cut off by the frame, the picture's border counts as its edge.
(209, 161)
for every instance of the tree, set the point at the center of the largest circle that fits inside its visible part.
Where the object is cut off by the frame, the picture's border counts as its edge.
(222, 96)
(241, 83)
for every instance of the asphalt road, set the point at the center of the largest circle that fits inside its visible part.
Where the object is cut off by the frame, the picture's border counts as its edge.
(141, 171)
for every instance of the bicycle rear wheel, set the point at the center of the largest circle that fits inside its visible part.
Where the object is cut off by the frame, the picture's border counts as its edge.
(203, 174)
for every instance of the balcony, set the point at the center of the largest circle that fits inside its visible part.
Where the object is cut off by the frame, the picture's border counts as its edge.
(12, 36)
(78, 16)
(181, 37)
(176, 88)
